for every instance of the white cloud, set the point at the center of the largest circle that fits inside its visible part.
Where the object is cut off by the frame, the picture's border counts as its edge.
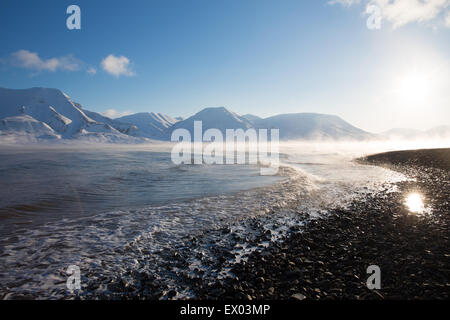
(31, 60)
(402, 12)
(347, 3)
(447, 20)
(117, 66)
(112, 113)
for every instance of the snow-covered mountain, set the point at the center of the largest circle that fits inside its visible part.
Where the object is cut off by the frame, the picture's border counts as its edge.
(40, 113)
(219, 118)
(401, 133)
(150, 125)
(312, 126)
(49, 113)
(439, 132)
(291, 126)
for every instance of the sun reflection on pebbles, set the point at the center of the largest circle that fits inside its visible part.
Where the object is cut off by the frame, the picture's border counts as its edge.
(414, 202)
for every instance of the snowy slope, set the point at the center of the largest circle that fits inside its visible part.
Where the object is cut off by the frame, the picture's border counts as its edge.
(48, 115)
(26, 125)
(125, 128)
(150, 125)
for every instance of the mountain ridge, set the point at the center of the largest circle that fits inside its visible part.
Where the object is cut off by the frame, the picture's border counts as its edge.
(47, 113)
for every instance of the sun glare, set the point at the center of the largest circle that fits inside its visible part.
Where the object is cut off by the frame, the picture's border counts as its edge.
(413, 87)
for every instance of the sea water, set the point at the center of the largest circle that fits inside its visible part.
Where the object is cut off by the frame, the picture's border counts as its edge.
(115, 211)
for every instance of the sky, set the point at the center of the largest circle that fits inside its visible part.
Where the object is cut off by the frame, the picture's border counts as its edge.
(378, 64)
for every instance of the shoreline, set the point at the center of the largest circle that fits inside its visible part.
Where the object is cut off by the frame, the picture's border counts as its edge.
(313, 257)
(329, 257)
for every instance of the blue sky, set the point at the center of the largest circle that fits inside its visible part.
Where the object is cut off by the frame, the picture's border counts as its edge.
(253, 56)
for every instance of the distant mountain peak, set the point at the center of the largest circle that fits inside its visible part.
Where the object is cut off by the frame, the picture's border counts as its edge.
(213, 117)
(207, 109)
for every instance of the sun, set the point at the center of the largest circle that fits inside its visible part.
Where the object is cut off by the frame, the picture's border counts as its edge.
(413, 87)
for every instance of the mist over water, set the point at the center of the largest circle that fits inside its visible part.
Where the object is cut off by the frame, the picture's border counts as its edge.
(57, 184)
(115, 209)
